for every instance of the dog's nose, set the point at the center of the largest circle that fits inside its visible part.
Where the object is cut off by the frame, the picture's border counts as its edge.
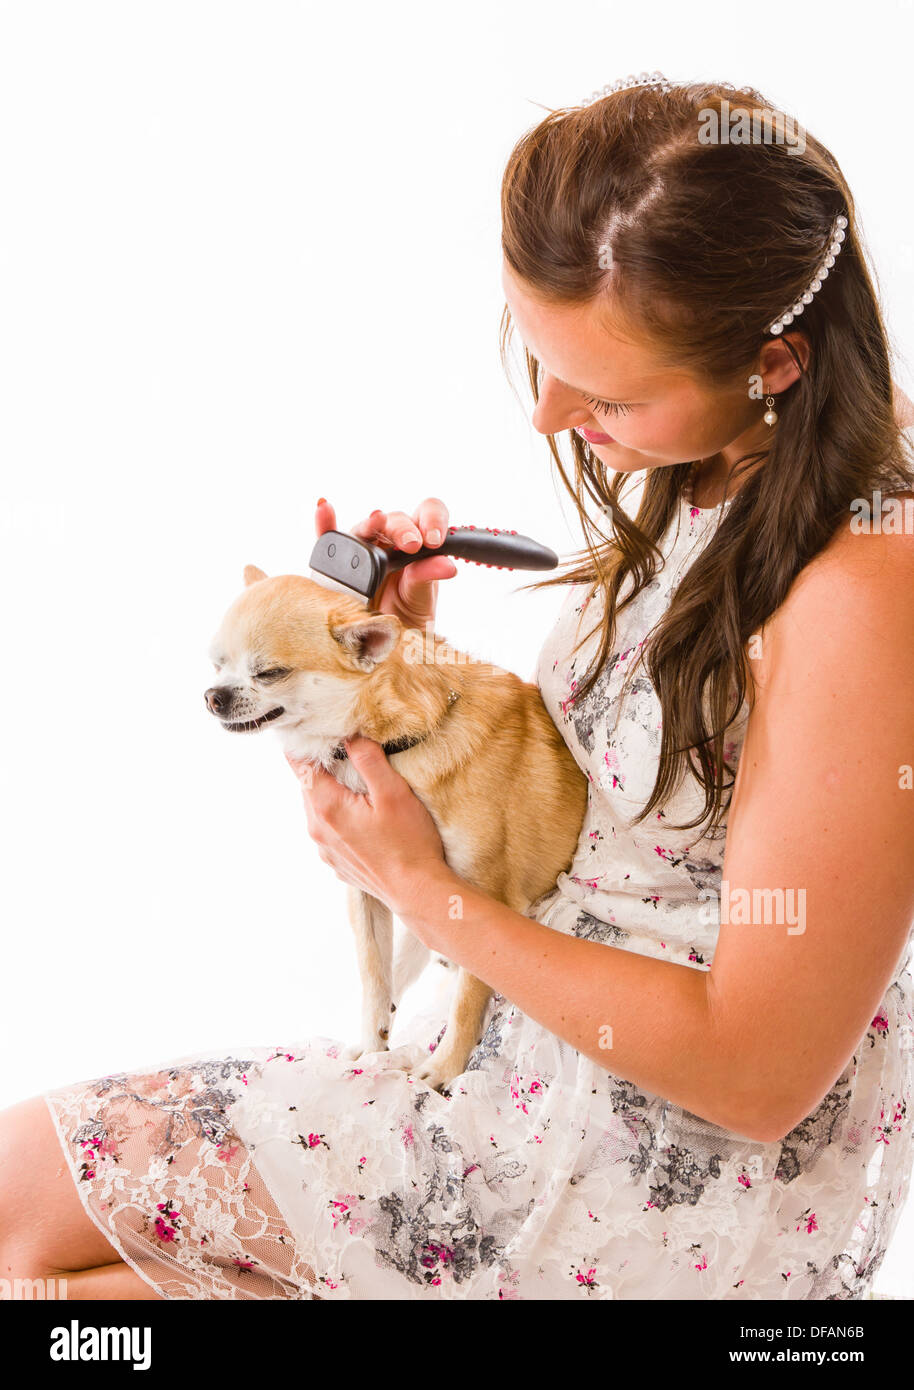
(218, 698)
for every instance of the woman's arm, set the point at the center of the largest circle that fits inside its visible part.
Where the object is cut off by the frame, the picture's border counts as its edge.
(820, 807)
(904, 408)
(824, 804)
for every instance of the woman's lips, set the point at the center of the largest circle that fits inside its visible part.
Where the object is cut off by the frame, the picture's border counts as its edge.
(594, 437)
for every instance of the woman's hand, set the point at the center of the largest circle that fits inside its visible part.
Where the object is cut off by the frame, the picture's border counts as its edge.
(385, 842)
(411, 593)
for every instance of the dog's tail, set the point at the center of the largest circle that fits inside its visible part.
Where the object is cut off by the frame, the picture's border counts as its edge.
(411, 959)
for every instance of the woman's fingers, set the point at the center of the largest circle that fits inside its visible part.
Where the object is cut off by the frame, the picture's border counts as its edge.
(427, 526)
(324, 517)
(415, 578)
(432, 517)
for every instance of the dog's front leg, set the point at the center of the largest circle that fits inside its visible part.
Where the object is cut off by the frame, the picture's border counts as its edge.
(464, 1027)
(372, 924)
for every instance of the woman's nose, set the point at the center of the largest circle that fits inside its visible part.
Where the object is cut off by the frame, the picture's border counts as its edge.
(558, 408)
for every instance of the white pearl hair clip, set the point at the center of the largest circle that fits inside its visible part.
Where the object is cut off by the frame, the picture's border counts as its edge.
(622, 84)
(834, 249)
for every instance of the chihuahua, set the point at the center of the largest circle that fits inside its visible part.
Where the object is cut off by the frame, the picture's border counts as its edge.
(474, 742)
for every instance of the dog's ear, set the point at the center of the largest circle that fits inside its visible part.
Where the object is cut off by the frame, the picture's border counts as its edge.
(368, 640)
(252, 574)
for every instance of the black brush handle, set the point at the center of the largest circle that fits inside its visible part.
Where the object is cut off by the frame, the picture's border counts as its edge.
(485, 546)
(363, 567)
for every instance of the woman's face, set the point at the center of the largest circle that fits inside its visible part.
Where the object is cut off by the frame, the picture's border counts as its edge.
(666, 416)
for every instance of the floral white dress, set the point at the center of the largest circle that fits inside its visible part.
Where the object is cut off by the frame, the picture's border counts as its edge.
(290, 1172)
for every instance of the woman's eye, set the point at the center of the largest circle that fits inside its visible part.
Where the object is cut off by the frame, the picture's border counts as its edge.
(609, 407)
(272, 674)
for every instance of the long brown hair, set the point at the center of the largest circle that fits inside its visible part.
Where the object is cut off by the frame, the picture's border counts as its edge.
(710, 242)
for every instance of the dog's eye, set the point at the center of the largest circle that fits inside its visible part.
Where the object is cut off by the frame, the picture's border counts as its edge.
(273, 674)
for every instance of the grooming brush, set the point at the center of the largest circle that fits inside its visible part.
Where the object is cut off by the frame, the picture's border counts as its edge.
(359, 568)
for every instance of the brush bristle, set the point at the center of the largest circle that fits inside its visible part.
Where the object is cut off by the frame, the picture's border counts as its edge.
(326, 582)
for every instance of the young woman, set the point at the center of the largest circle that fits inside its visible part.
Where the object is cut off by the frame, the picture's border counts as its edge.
(695, 1079)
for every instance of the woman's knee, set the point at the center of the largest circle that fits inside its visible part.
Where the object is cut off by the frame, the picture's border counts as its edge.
(43, 1224)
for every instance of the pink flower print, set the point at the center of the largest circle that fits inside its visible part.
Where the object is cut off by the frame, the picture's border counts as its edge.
(408, 1137)
(744, 1179)
(569, 699)
(702, 1263)
(885, 1130)
(881, 1024)
(166, 1225)
(693, 513)
(435, 1255)
(242, 1262)
(516, 1096)
(611, 763)
(809, 1220)
(311, 1142)
(589, 883)
(339, 1211)
(225, 1155)
(533, 1087)
(586, 1278)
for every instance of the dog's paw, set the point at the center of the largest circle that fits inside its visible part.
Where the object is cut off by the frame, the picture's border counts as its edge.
(355, 1051)
(440, 1070)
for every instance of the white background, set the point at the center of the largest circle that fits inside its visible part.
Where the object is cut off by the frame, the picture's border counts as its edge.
(249, 255)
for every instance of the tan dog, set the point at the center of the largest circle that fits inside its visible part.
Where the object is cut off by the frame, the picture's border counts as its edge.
(476, 745)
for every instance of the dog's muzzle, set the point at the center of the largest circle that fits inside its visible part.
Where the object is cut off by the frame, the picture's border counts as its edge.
(219, 702)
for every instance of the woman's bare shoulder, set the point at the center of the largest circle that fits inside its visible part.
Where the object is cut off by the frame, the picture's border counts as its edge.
(856, 577)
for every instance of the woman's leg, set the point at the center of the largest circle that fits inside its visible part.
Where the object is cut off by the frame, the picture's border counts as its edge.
(44, 1229)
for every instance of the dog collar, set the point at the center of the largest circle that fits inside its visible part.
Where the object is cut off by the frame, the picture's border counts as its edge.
(399, 745)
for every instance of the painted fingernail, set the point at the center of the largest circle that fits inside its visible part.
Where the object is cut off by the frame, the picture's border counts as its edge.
(321, 501)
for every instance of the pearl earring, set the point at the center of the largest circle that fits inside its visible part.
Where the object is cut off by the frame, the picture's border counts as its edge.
(770, 416)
